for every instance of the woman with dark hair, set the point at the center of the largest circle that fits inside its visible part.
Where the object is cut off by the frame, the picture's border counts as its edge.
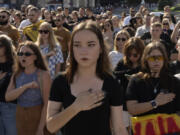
(30, 85)
(153, 90)
(7, 109)
(129, 65)
(88, 92)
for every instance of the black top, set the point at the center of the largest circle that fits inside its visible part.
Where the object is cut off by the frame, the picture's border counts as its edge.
(120, 72)
(175, 67)
(4, 82)
(143, 90)
(95, 121)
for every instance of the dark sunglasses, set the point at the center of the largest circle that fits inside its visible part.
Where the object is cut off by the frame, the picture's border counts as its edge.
(122, 39)
(44, 31)
(154, 58)
(25, 54)
(2, 16)
(57, 20)
(135, 55)
(165, 23)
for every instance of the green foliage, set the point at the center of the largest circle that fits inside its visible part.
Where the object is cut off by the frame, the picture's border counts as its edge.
(163, 3)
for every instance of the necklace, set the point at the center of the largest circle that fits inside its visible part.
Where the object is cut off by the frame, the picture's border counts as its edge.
(154, 84)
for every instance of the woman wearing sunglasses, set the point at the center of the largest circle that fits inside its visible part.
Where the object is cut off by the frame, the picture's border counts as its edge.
(129, 65)
(30, 85)
(166, 27)
(7, 109)
(50, 48)
(153, 90)
(81, 90)
(119, 41)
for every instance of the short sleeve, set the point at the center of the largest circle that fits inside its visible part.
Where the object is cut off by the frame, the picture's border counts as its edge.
(131, 90)
(115, 91)
(57, 88)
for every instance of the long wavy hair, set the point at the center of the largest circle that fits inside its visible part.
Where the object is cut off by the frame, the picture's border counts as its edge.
(103, 67)
(51, 39)
(39, 62)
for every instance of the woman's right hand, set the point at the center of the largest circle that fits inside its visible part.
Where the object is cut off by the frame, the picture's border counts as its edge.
(88, 100)
(32, 85)
(164, 98)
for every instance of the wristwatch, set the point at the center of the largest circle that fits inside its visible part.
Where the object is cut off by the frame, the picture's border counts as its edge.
(154, 104)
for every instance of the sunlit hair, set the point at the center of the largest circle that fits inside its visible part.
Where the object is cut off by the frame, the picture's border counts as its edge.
(133, 43)
(147, 51)
(110, 22)
(9, 51)
(122, 32)
(51, 38)
(156, 24)
(39, 62)
(166, 20)
(103, 67)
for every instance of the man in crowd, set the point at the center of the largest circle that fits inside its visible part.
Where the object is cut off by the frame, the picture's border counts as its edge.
(128, 18)
(63, 35)
(7, 28)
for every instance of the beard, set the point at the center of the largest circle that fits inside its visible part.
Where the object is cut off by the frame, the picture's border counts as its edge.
(4, 22)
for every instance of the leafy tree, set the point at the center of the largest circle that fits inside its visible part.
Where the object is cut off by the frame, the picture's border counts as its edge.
(163, 3)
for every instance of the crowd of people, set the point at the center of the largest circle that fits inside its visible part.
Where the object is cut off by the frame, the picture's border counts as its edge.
(83, 73)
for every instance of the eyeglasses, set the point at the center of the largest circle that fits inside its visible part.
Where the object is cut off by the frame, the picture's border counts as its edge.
(2, 16)
(165, 23)
(44, 31)
(135, 55)
(122, 39)
(154, 58)
(25, 54)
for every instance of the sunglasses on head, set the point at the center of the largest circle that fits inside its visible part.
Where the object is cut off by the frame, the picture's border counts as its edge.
(135, 55)
(44, 31)
(154, 58)
(165, 23)
(25, 54)
(2, 16)
(122, 39)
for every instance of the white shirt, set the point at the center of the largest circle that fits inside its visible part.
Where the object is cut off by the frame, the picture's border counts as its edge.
(115, 57)
(24, 23)
(127, 20)
(141, 30)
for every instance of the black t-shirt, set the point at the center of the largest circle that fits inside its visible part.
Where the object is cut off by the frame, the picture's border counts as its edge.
(4, 82)
(143, 90)
(95, 121)
(120, 72)
(175, 67)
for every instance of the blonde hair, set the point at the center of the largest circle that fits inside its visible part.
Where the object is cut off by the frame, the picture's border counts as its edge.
(51, 39)
(124, 32)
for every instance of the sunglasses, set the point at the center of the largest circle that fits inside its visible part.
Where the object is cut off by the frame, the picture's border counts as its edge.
(2, 16)
(165, 23)
(135, 55)
(25, 54)
(122, 39)
(44, 31)
(154, 58)
(57, 20)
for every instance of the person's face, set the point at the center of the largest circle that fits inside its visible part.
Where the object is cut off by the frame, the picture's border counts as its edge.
(4, 17)
(165, 25)
(66, 11)
(107, 25)
(167, 9)
(86, 48)
(59, 21)
(132, 13)
(33, 16)
(155, 61)
(156, 31)
(26, 57)
(120, 41)
(2, 50)
(134, 56)
(81, 12)
(44, 32)
(115, 21)
(147, 19)
(47, 14)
